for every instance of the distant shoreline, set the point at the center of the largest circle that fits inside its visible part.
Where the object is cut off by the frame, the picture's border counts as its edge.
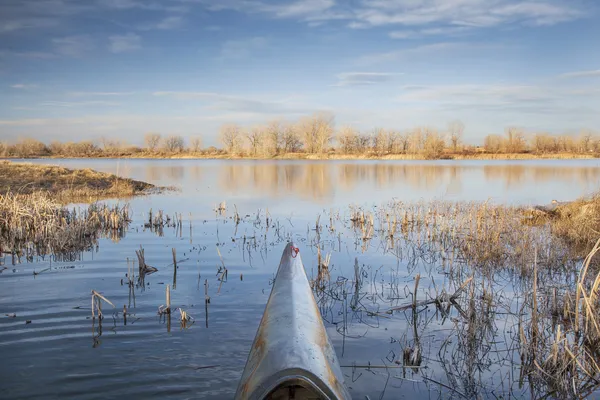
(328, 157)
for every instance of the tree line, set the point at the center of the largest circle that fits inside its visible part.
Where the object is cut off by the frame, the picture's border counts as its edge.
(316, 134)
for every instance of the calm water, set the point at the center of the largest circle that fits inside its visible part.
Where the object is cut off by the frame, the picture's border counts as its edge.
(62, 354)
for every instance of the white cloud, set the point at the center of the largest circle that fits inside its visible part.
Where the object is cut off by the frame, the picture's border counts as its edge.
(439, 31)
(124, 43)
(363, 78)
(474, 13)
(418, 51)
(169, 23)
(582, 74)
(27, 23)
(23, 86)
(73, 46)
(143, 5)
(243, 48)
(172, 22)
(257, 105)
(90, 94)
(66, 104)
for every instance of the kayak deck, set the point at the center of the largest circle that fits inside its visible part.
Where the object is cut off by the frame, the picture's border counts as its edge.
(291, 356)
(294, 390)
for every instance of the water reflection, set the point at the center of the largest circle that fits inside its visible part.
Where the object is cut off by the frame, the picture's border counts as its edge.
(335, 182)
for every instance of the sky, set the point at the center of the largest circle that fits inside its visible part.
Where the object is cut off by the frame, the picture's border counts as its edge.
(76, 70)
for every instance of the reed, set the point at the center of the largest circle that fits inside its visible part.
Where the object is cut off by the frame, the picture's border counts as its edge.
(38, 225)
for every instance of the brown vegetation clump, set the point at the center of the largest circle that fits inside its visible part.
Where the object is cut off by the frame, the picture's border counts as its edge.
(65, 184)
(577, 222)
(36, 224)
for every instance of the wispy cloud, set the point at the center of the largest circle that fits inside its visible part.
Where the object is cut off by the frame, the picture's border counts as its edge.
(102, 94)
(27, 23)
(473, 13)
(168, 23)
(439, 31)
(70, 104)
(581, 74)
(124, 43)
(73, 46)
(243, 48)
(143, 5)
(23, 86)
(363, 78)
(411, 52)
(218, 101)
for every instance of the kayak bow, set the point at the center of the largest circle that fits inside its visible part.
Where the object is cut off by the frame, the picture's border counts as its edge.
(291, 356)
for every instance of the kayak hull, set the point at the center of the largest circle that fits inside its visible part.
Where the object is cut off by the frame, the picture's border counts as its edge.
(291, 354)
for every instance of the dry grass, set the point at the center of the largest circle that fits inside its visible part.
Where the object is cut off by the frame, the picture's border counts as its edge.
(36, 224)
(577, 222)
(66, 185)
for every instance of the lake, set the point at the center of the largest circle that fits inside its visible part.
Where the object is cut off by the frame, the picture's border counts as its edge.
(62, 353)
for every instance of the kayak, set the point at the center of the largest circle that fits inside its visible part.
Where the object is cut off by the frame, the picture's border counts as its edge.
(291, 356)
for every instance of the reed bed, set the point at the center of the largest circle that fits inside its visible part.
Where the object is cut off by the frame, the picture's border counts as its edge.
(66, 185)
(37, 224)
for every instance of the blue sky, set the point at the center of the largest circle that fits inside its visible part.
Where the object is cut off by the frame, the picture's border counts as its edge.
(74, 70)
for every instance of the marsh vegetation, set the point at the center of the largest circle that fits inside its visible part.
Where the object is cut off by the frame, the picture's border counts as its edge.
(434, 298)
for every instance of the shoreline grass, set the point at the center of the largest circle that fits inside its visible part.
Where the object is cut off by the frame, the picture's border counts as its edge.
(66, 185)
(325, 156)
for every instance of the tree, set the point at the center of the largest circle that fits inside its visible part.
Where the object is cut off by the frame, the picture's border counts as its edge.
(515, 140)
(347, 138)
(274, 137)
(434, 144)
(152, 140)
(380, 141)
(3, 149)
(455, 131)
(415, 141)
(230, 136)
(255, 139)
(492, 143)
(195, 144)
(393, 138)
(316, 132)
(29, 148)
(291, 139)
(174, 144)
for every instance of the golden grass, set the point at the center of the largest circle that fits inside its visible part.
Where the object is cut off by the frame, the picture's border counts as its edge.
(65, 185)
(334, 155)
(37, 224)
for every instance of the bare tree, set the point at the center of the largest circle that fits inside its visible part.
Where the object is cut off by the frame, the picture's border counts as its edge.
(515, 140)
(380, 141)
(393, 145)
(274, 137)
(152, 140)
(416, 141)
(585, 141)
(174, 144)
(255, 139)
(316, 132)
(347, 138)
(455, 131)
(30, 147)
(195, 144)
(404, 143)
(434, 144)
(230, 136)
(3, 149)
(291, 139)
(493, 143)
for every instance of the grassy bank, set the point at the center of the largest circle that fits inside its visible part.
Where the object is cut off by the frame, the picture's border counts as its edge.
(64, 184)
(330, 156)
(34, 220)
